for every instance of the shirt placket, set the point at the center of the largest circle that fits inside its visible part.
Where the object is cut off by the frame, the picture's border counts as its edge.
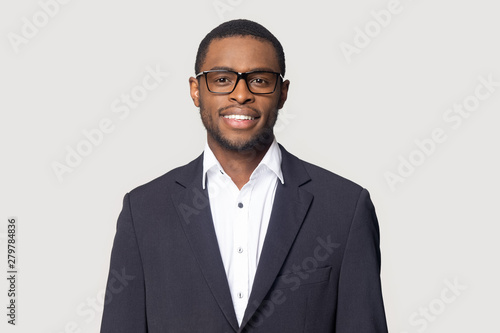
(240, 251)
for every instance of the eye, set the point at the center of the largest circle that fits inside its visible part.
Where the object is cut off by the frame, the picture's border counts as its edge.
(258, 80)
(261, 80)
(221, 79)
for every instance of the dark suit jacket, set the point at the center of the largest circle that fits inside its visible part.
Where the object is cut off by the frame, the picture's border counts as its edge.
(319, 270)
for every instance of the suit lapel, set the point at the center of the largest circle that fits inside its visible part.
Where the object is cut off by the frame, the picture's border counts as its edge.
(193, 207)
(290, 206)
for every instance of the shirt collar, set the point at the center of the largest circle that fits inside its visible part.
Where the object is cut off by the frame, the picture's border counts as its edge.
(272, 160)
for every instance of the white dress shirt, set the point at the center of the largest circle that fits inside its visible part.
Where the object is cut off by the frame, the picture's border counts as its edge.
(241, 218)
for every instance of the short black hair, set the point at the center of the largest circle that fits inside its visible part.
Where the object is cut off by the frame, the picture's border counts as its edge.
(239, 27)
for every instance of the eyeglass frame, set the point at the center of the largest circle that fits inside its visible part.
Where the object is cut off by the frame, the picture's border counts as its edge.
(238, 77)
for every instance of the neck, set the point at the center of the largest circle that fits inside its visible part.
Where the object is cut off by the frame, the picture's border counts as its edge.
(239, 165)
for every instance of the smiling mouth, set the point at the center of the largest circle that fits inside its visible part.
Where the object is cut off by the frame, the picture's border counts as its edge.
(239, 117)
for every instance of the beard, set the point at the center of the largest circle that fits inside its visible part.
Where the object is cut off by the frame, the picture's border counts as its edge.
(262, 139)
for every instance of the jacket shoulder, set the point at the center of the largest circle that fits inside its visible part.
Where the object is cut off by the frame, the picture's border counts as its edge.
(172, 181)
(330, 179)
(319, 178)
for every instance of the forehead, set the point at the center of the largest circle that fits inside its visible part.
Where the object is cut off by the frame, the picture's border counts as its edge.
(242, 54)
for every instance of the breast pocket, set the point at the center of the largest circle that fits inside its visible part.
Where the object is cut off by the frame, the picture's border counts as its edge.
(297, 279)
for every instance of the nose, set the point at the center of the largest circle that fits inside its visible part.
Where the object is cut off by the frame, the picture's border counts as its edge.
(241, 94)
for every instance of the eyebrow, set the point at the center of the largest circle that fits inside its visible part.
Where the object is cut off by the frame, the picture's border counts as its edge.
(224, 68)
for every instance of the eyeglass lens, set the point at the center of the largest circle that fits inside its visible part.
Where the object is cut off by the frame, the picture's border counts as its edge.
(257, 82)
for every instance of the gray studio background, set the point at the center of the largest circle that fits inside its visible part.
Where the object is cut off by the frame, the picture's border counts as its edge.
(368, 91)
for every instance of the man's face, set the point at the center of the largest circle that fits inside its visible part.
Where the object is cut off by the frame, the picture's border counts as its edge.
(239, 54)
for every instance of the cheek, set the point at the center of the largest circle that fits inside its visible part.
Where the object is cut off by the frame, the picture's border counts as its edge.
(271, 108)
(212, 103)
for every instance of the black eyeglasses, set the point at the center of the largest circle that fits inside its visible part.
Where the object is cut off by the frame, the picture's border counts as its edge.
(224, 81)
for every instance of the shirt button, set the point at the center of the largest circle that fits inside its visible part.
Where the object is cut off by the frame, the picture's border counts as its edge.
(240, 250)
(240, 204)
(240, 295)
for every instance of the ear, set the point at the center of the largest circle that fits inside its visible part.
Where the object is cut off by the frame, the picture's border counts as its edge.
(194, 88)
(283, 93)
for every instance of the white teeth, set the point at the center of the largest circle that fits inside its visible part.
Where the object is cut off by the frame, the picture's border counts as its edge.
(239, 117)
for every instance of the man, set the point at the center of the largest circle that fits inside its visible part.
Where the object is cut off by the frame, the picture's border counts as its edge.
(247, 237)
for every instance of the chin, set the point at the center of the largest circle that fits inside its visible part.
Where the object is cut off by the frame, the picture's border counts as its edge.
(259, 141)
(237, 145)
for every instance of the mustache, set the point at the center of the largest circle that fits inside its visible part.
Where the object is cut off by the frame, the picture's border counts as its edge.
(239, 106)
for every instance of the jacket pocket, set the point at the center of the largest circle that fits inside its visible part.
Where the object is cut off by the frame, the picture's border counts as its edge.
(296, 279)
